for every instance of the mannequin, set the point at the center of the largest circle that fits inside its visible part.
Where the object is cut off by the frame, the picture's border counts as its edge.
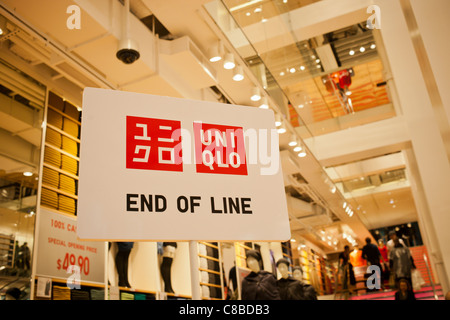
(123, 253)
(290, 288)
(308, 292)
(259, 284)
(169, 249)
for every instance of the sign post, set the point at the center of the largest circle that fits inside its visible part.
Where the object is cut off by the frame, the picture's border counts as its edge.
(156, 168)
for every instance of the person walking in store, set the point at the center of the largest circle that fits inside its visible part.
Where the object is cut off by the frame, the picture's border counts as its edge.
(404, 292)
(400, 262)
(385, 262)
(346, 274)
(372, 255)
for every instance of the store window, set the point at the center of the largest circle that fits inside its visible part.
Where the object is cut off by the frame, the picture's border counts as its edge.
(22, 102)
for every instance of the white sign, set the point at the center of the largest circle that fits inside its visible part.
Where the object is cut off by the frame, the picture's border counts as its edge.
(44, 287)
(62, 255)
(160, 168)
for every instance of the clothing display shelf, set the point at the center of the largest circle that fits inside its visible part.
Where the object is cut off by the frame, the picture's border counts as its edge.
(286, 248)
(6, 250)
(241, 253)
(61, 156)
(135, 294)
(211, 270)
(87, 291)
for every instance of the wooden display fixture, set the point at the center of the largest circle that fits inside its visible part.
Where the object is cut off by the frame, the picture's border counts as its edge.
(211, 270)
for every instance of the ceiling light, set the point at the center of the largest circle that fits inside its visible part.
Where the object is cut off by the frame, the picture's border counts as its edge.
(238, 74)
(293, 240)
(264, 103)
(351, 52)
(255, 94)
(351, 213)
(362, 49)
(278, 121)
(300, 106)
(302, 68)
(293, 141)
(228, 63)
(285, 1)
(344, 205)
(409, 225)
(348, 92)
(318, 66)
(298, 148)
(282, 73)
(313, 57)
(259, 9)
(373, 46)
(292, 70)
(302, 154)
(28, 174)
(248, 14)
(333, 189)
(3, 29)
(215, 52)
(317, 60)
(263, 20)
(281, 130)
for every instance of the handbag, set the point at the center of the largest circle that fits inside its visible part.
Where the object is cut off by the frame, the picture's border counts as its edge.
(417, 280)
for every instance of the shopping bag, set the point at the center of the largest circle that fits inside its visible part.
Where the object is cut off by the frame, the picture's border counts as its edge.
(417, 280)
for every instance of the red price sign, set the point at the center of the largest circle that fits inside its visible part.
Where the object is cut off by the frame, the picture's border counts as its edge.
(71, 259)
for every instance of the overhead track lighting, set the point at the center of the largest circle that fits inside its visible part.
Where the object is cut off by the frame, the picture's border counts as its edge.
(228, 62)
(238, 73)
(278, 121)
(264, 103)
(256, 95)
(215, 52)
(293, 142)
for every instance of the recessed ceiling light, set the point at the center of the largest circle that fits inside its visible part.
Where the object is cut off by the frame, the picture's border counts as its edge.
(259, 9)
(373, 46)
(301, 106)
(317, 60)
(292, 70)
(351, 52)
(319, 66)
(282, 73)
(302, 68)
(302, 154)
(28, 174)
(362, 49)
(248, 14)
(297, 149)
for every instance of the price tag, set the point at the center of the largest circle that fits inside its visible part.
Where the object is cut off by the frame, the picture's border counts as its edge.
(62, 255)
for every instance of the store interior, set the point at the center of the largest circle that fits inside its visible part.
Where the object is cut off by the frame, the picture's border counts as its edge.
(361, 118)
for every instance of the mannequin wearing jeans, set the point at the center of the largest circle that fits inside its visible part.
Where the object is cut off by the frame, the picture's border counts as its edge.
(169, 249)
(123, 253)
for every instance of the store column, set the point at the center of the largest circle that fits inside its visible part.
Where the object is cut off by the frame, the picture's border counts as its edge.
(411, 51)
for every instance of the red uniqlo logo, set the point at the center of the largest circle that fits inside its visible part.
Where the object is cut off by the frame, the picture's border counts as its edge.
(152, 144)
(219, 149)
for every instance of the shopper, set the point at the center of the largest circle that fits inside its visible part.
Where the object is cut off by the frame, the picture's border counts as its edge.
(385, 261)
(400, 262)
(405, 292)
(346, 274)
(372, 255)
